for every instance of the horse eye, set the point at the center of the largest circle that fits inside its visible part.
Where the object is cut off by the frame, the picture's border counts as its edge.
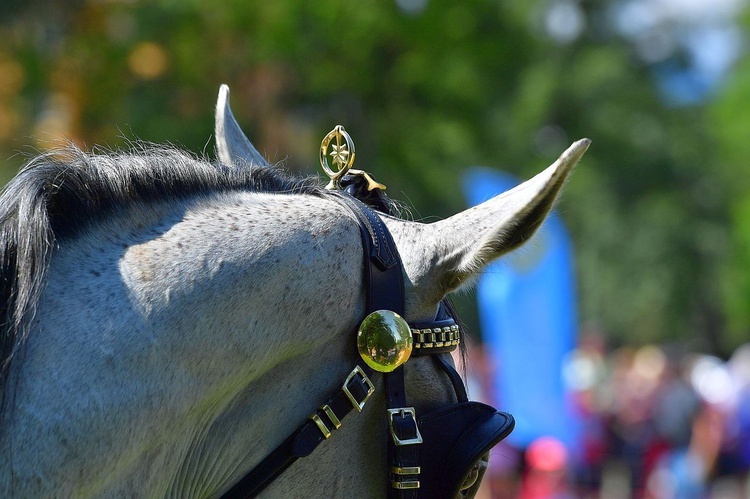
(471, 478)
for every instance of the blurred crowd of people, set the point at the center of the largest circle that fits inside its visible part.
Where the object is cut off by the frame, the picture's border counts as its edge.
(655, 422)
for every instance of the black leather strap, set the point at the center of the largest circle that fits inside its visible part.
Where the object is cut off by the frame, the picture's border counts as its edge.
(303, 441)
(382, 268)
(379, 244)
(402, 426)
(456, 381)
(385, 291)
(357, 186)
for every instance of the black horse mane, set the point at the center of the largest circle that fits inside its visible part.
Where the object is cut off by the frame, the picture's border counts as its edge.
(57, 194)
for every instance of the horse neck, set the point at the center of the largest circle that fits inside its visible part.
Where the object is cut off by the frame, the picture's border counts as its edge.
(166, 326)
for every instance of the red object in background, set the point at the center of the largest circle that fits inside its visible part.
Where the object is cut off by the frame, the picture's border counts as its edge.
(545, 473)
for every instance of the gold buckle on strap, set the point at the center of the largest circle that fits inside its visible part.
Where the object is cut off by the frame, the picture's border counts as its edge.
(405, 484)
(402, 412)
(357, 371)
(321, 425)
(414, 470)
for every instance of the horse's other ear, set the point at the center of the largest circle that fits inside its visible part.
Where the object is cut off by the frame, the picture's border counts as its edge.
(231, 142)
(481, 234)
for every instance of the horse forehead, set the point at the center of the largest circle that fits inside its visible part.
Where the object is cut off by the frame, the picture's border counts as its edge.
(268, 236)
(255, 218)
(249, 224)
(283, 231)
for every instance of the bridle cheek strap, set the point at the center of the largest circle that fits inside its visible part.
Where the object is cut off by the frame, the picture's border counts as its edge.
(385, 291)
(433, 455)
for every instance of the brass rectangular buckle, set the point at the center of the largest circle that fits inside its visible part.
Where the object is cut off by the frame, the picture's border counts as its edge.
(357, 371)
(409, 470)
(402, 412)
(412, 472)
(331, 416)
(405, 485)
(321, 426)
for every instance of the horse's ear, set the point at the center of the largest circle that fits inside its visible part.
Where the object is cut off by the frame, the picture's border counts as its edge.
(231, 142)
(481, 234)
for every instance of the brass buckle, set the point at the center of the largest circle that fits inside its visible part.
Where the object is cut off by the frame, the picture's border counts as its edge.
(370, 388)
(321, 425)
(406, 484)
(402, 412)
(408, 471)
(412, 470)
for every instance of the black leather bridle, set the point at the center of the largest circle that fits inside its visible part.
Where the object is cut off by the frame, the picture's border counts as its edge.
(429, 456)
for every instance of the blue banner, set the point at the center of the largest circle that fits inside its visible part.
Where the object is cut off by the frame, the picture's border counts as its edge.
(528, 320)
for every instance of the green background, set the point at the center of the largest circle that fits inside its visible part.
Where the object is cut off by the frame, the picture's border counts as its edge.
(658, 210)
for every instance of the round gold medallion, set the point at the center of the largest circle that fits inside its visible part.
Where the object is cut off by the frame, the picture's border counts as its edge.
(384, 340)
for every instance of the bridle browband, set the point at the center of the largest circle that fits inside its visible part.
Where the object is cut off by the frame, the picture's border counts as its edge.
(428, 456)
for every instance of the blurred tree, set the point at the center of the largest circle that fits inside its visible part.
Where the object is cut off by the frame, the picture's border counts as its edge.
(730, 124)
(426, 88)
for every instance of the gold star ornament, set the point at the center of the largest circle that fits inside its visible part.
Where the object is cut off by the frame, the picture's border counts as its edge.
(342, 154)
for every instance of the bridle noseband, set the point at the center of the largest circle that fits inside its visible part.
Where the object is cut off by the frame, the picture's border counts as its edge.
(429, 455)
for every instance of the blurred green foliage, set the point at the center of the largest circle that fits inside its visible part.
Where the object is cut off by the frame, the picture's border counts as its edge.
(658, 210)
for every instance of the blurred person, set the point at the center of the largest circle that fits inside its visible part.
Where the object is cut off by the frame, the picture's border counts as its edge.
(585, 376)
(733, 461)
(684, 445)
(545, 474)
(636, 375)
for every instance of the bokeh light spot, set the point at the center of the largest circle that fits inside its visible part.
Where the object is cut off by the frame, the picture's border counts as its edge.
(11, 77)
(148, 61)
